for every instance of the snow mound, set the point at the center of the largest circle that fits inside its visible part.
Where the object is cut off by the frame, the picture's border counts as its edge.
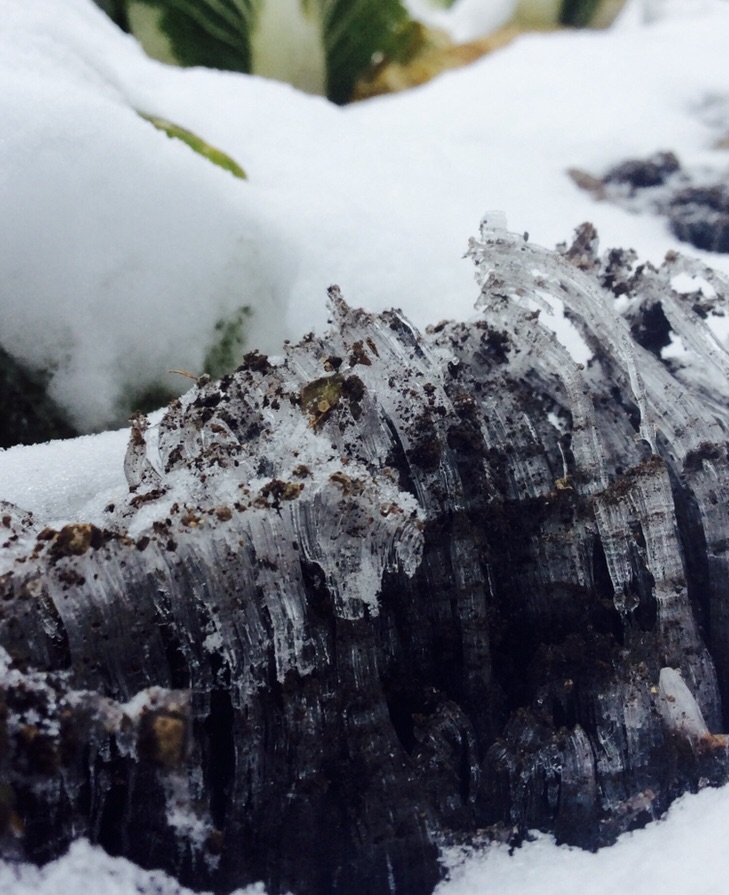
(684, 853)
(120, 249)
(85, 865)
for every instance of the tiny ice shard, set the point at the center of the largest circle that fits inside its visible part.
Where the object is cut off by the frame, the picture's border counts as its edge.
(138, 469)
(493, 222)
(678, 708)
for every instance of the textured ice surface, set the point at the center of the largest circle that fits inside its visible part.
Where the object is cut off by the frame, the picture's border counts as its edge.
(392, 588)
(678, 706)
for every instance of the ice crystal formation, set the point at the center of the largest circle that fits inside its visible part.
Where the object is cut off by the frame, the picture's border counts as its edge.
(391, 589)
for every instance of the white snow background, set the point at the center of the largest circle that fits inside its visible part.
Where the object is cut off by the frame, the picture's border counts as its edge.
(121, 248)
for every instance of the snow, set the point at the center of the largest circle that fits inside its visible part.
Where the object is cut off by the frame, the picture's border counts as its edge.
(63, 480)
(87, 868)
(684, 853)
(120, 249)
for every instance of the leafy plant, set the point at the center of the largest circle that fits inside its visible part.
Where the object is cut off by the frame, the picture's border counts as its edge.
(355, 31)
(243, 35)
(213, 33)
(568, 13)
(227, 349)
(578, 13)
(116, 10)
(143, 399)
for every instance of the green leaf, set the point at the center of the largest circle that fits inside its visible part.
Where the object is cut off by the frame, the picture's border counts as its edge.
(578, 13)
(116, 10)
(216, 156)
(213, 33)
(356, 32)
(222, 33)
(226, 351)
(143, 399)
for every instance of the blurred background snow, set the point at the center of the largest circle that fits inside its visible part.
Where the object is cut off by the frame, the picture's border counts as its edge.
(123, 252)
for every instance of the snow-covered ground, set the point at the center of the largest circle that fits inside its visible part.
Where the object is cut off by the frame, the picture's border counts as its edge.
(120, 249)
(685, 853)
(681, 855)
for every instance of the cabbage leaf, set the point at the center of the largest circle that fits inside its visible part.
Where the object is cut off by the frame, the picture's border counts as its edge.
(243, 35)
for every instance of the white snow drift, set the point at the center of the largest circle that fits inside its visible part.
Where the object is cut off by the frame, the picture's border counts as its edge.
(120, 248)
